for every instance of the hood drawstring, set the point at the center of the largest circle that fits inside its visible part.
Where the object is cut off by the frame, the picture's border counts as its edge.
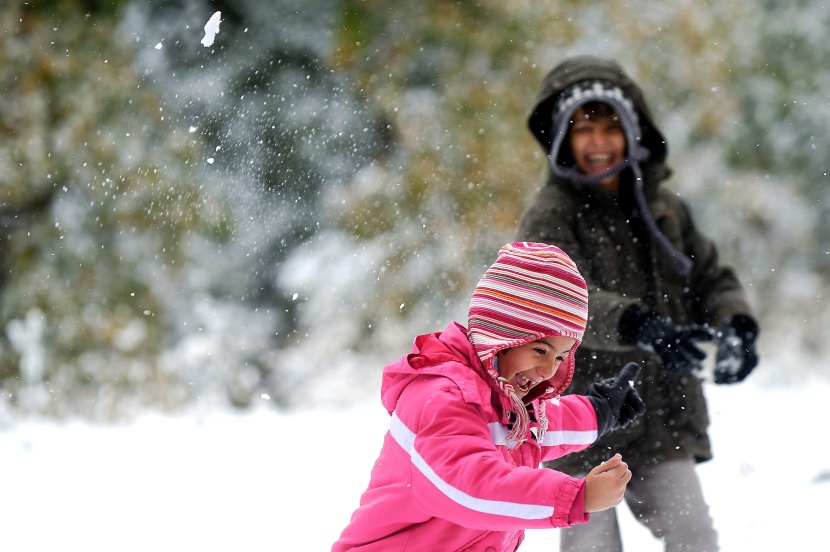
(542, 418)
(517, 433)
(681, 263)
(568, 102)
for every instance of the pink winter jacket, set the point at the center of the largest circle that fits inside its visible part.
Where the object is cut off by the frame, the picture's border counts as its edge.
(445, 479)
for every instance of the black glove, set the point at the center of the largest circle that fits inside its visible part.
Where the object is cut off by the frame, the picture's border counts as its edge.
(615, 400)
(736, 356)
(675, 345)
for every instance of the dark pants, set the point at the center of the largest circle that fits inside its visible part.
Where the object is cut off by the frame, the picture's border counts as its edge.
(666, 498)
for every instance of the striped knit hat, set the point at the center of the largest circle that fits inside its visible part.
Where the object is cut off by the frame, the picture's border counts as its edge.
(531, 291)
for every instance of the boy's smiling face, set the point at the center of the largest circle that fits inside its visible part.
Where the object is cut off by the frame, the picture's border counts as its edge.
(528, 365)
(597, 142)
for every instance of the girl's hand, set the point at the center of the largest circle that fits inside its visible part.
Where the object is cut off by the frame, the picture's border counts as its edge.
(605, 484)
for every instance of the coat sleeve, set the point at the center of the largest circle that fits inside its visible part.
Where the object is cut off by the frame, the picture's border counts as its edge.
(718, 292)
(459, 474)
(572, 426)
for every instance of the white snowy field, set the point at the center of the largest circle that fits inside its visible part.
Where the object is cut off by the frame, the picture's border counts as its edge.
(265, 480)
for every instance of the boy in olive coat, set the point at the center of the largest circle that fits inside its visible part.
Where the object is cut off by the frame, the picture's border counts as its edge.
(657, 290)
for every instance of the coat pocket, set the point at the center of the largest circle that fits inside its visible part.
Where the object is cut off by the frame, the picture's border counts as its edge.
(695, 412)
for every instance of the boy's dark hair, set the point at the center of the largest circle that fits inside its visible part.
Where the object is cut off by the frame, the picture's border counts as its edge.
(600, 110)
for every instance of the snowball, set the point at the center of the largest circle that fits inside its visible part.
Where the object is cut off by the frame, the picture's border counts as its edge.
(211, 28)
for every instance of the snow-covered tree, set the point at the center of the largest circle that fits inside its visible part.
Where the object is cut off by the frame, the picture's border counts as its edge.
(92, 273)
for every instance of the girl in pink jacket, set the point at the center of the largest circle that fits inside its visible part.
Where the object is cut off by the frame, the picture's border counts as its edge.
(475, 411)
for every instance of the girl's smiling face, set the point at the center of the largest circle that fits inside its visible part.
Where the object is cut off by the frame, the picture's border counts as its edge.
(528, 365)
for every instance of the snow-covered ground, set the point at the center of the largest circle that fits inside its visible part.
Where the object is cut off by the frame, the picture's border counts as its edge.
(265, 480)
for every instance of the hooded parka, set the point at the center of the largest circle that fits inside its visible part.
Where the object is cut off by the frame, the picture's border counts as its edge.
(623, 266)
(445, 473)
(454, 473)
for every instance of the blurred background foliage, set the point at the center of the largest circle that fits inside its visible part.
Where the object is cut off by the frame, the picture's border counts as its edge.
(275, 215)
